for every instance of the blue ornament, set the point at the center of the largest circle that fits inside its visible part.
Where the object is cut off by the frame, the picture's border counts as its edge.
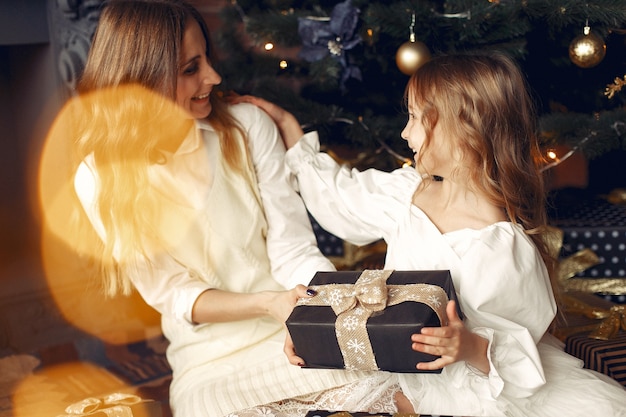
(331, 36)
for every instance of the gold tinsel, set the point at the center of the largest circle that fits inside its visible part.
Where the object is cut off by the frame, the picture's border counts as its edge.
(612, 89)
(613, 319)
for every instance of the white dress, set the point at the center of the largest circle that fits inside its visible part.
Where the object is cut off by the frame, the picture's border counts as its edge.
(502, 286)
(218, 231)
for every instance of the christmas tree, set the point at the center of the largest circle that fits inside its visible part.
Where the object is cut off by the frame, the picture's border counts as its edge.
(341, 66)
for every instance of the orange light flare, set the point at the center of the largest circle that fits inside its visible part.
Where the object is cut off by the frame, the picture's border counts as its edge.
(79, 389)
(130, 121)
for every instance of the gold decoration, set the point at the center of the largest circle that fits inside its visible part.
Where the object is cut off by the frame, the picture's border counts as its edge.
(617, 196)
(412, 54)
(613, 319)
(116, 404)
(615, 286)
(587, 50)
(611, 325)
(612, 89)
(567, 268)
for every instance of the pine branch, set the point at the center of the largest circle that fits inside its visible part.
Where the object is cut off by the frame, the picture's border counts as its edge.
(374, 105)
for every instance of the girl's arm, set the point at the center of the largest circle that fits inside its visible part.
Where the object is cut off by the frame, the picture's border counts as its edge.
(289, 127)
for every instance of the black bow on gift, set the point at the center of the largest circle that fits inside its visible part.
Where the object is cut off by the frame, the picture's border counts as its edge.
(334, 36)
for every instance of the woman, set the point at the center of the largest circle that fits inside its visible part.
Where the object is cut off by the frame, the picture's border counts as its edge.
(194, 209)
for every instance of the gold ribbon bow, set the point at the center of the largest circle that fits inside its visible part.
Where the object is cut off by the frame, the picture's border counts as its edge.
(567, 268)
(112, 405)
(355, 303)
(613, 319)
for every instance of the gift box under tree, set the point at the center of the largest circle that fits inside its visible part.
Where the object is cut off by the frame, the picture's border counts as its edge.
(364, 319)
(594, 330)
(600, 226)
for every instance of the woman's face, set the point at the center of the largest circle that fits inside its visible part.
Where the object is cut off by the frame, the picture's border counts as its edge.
(196, 76)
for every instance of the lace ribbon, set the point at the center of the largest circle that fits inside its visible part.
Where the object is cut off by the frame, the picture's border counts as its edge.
(355, 303)
(113, 405)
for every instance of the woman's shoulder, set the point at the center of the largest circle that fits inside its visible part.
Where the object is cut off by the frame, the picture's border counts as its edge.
(248, 115)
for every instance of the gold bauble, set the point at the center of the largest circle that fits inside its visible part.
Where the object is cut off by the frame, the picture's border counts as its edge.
(411, 55)
(587, 50)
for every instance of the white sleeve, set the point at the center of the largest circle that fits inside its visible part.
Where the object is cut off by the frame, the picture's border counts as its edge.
(357, 206)
(163, 283)
(506, 271)
(291, 244)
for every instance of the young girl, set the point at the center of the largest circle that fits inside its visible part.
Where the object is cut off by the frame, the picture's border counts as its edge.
(473, 204)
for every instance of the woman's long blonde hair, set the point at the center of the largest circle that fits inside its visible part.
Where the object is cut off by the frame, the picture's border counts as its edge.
(484, 101)
(128, 88)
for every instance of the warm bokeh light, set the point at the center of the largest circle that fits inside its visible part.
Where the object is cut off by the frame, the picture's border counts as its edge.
(132, 122)
(68, 389)
(551, 154)
(268, 46)
(283, 64)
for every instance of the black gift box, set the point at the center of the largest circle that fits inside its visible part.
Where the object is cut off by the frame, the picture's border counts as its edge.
(321, 413)
(605, 356)
(312, 328)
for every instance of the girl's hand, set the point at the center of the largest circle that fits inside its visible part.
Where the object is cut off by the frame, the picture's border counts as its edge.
(289, 127)
(453, 343)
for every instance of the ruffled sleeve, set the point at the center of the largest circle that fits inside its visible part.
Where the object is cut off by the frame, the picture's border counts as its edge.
(506, 297)
(357, 206)
(291, 244)
(164, 284)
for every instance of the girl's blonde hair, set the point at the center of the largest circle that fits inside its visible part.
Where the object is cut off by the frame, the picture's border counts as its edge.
(127, 90)
(483, 100)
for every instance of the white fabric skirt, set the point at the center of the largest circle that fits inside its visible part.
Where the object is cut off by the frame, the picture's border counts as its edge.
(276, 388)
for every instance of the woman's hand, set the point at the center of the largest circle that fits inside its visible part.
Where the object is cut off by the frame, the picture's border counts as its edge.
(282, 309)
(452, 343)
(289, 127)
(279, 304)
(290, 352)
(218, 306)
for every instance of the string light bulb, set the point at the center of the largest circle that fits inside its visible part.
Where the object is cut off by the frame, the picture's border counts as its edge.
(551, 154)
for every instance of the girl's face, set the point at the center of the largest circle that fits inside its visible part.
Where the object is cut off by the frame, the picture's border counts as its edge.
(196, 76)
(414, 132)
(440, 156)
